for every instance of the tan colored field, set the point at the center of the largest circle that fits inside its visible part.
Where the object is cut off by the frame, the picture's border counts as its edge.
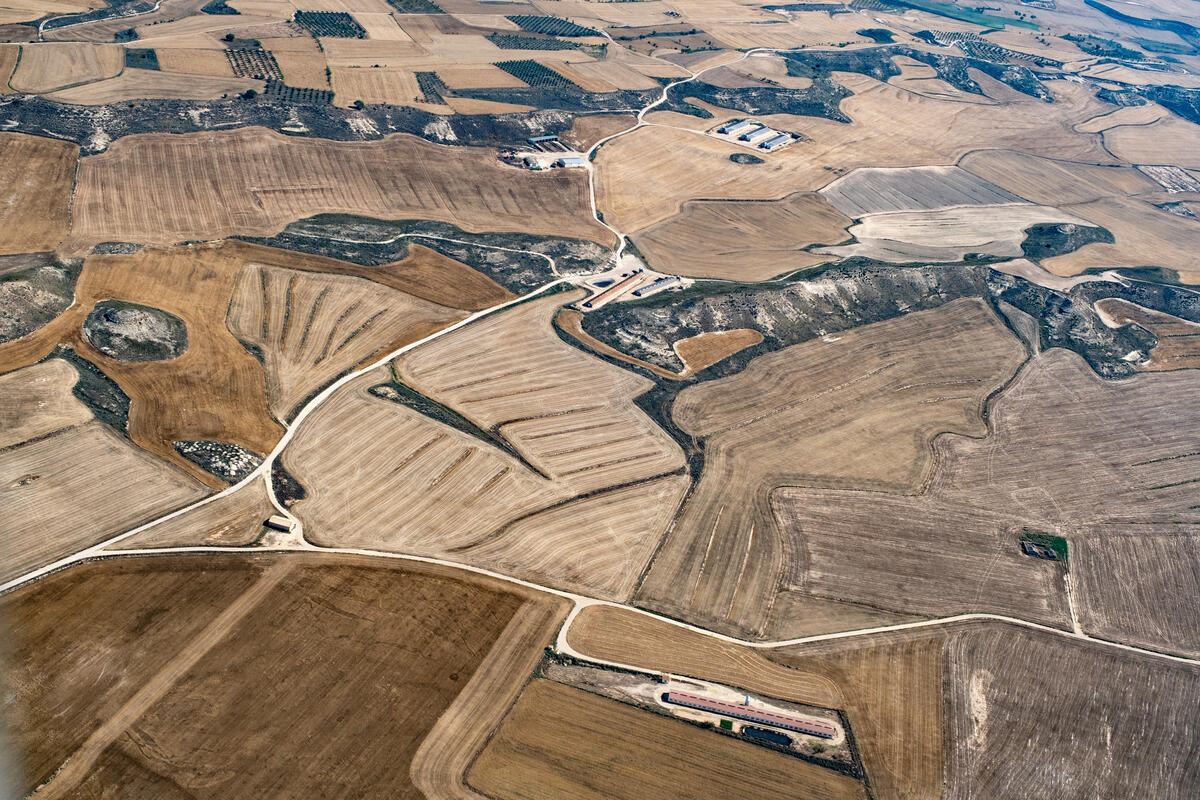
(9, 53)
(1171, 140)
(1135, 585)
(947, 234)
(37, 400)
(585, 131)
(743, 240)
(468, 105)
(1119, 73)
(921, 79)
(312, 328)
(381, 25)
(394, 86)
(950, 549)
(701, 351)
(1178, 339)
(36, 175)
(134, 84)
(598, 544)
(440, 765)
(26, 10)
(1054, 183)
(104, 30)
(479, 77)
(415, 638)
(641, 182)
(563, 742)
(46, 67)
(196, 62)
(1036, 715)
(567, 414)
(856, 410)
(1145, 236)
(424, 273)
(867, 191)
(606, 76)
(77, 487)
(256, 181)
(1124, 116)
(302, 68)
(230, 521)
(889, 686)
(215, 390)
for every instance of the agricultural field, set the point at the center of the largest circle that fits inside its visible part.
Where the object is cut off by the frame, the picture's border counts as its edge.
(278, 613)
(864, 420)
(563, 742)
(46, 67)
(874, 191)
(1178, 344)
(256, 181)
(744, 240)
(35, 181)
(960, 533)
(1113, 733)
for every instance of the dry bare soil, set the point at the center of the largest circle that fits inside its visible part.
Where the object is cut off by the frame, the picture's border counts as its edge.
(856, 410)
(162, 188)
(173, 630)
(563, 742)
(1178, 339)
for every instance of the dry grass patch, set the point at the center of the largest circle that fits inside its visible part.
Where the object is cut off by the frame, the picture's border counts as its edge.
(254, 181)
(563, 742)
(858, 409)
(393, 86)
(312, 328)
(1037, 715)
(744, 240)
(1049, 182)
(1178, 339)
(230, 521)
(585, 131)
(1145, 236)
(479, 77)
(302, 68)
(415, 638)
(701, 351)
(27, 10)
(195, 62)
(36, 176)
(215, 390)
(77, 487)
(45, 67)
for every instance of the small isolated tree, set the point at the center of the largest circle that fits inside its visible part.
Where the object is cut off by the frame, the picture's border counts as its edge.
(249, 94)
(229, 37)
(360, 105)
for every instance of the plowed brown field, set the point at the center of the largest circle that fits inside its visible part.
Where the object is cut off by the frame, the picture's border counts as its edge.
(36, 177)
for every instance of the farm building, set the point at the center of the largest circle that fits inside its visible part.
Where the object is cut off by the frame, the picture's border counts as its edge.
(608, 295)
(776, 142)
(571, 161)
(744, 712)
(658, 285)
(279, 522)
(760, 135)
(737, 128)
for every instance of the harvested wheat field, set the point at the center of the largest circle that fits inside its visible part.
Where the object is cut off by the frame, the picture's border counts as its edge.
(423, 273)
(1050, 182)
(311, 328)
(857, 410)
(1145, 236)
(563, 742)
(67, 481)
(876, 190)
(701, 351)
(139, 84)
(1178, 339)
(568, 413)
(215, 390)
(35, 192)
(26, 10)
(37, 400)
(288, 625)
(213, 63)
(254, 181)
(951, 548)
(543, 424)
(1038, 715)
(748, 241)
(646, 177)
(234, 520)
(947, 234)
(46, 67)
(1137, 584)
(1170, 140)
